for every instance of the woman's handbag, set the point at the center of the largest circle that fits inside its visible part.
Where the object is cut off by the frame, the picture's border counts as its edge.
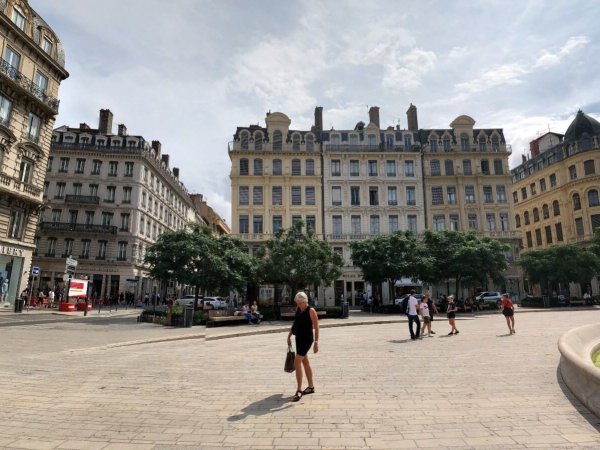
(289, 360)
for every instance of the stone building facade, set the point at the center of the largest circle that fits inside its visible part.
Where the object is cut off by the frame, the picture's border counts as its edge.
(108, 197)
(31, 70)
(556, 192)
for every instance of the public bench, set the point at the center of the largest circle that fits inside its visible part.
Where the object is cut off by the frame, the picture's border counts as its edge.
(287, 312)
(219, 316)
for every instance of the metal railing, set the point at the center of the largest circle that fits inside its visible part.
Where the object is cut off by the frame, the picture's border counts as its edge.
(79, 227)
(25, 83)
(87, 199)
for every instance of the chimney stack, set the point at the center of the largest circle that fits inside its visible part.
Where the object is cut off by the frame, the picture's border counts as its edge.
(106, 119)
(523, 159)
(165, 159)
(318, 119)
(176, 172)
(122, 130)
(84, 126)
(156, 146)
(411, 115)
(374, 115)
(534, 148)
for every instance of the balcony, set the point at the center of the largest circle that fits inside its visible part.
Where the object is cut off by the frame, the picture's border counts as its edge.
(83, 199)
(369, 148)
(79, 227)
(28, 86)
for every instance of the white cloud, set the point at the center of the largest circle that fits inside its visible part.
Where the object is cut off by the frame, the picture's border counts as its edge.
(406, 72)
(547, 59)
(458, 52)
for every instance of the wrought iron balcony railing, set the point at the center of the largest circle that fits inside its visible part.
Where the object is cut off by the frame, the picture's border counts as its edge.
(25, 83)
(87, 199)
(79, 227)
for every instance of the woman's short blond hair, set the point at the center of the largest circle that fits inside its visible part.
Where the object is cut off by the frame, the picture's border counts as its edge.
(301, 297)
(450, 297)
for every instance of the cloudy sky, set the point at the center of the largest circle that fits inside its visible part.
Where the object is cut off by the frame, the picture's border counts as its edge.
(187, 72)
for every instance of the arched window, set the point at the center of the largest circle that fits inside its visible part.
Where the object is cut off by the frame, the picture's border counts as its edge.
(277, 140)
(526, 217)
(545, 212)
(593, 199)
(296, 141)
(518, 220)
(449, 167)
(310, 143)
(244, 166)
(296, 168)
(435, 167)
(464, 142)
(277, 167)
(556, 208)
(576, 202)
(536, 215)
(244, 139)
(258, 140)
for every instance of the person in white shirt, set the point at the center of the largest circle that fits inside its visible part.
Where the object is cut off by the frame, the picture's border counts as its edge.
(424, 313)
(50, 298)
(413, 316)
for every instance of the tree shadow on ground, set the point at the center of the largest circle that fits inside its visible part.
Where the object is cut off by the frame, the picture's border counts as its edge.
(588, 415)
(267, 405)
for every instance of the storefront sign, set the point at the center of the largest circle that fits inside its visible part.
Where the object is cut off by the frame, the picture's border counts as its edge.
(11, 251)
(78, 288)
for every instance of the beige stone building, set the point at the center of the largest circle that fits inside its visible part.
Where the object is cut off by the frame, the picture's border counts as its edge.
(556, 192)
(208, 216)
(372, 182)
(467, 184)
(108, 197)
(31, 70)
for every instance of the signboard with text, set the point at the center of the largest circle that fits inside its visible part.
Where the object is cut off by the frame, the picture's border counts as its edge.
(78, 288)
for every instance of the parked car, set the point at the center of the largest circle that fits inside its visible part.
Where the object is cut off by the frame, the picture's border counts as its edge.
(489, 299)
(187, 300)
(214, 303)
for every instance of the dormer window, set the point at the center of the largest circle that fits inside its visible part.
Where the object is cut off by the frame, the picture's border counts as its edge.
(18, 18)
(47, 45)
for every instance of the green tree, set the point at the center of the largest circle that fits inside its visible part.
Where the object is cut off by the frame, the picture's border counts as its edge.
(561, 264)
(198, 258)
(299, 259)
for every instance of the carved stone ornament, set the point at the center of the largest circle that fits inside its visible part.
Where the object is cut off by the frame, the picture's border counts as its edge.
(60, 54)
(36, 29)
(2, 5)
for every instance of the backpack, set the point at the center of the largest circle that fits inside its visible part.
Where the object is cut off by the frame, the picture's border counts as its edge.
(404, 306)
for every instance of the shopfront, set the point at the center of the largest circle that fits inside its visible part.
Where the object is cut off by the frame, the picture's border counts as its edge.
(12, 261)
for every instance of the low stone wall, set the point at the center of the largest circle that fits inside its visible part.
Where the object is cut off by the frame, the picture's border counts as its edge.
(576, 366)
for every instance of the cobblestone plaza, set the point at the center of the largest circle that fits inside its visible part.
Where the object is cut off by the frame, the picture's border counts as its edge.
(107, 386)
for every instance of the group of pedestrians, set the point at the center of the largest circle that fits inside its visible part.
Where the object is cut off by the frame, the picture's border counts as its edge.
(426, 308)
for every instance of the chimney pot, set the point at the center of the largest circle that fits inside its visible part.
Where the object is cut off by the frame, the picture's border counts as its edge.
(318, 119)
(374, 115)
(122, 130)
(105, 123)
(156, 146)
(523, 158)
(411, 115)
(165, 158)
(176, 172)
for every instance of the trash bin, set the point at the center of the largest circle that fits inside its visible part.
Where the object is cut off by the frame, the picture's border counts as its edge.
(19, 303)
(188, 316)
(345, 310)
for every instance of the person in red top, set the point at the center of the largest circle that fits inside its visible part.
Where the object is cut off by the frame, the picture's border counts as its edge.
(509, 312)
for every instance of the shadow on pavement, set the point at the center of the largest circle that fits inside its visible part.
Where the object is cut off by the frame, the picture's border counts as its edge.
(267, 405)
(504, 335)
(588, 415)
(400, 341)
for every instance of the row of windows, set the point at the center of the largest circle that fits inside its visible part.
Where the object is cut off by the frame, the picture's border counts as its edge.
(34, 122)
(356, 224)
(258, 138)
(100, 141)
(309, 167)
(257, 223)
(491, 224)
(436, 169)
(13, 60)
(150, 229)
(373, 196)
(593, 201)
(19, 18)
(558, 233)
(77, 189)
(153, 205)
(84, 248)
(277, 195)
(589, 168)
(88, 218)
(372, 168)
(113, 166)
(465, 144)
(437, 195)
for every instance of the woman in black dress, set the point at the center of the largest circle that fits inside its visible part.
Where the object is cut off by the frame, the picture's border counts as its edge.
(305, 321)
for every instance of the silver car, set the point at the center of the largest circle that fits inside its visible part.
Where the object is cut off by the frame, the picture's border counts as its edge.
(489, 299)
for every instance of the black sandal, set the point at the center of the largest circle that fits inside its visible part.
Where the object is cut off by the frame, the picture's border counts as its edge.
(297, 396)
(308, 390)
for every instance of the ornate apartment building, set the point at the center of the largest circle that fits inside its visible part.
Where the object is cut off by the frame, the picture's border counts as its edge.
(372, 182)
(107, 199)
(467, 184)
(208, 216)
(556, 192)
(31, 70)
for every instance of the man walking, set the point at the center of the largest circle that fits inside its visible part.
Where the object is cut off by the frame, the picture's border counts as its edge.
(413, 316)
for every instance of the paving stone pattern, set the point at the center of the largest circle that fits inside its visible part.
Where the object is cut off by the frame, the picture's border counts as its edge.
(68, 386)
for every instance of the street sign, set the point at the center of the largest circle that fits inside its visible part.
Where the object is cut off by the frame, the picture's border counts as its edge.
(71, 262)
(35, 271)
(66, 278)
